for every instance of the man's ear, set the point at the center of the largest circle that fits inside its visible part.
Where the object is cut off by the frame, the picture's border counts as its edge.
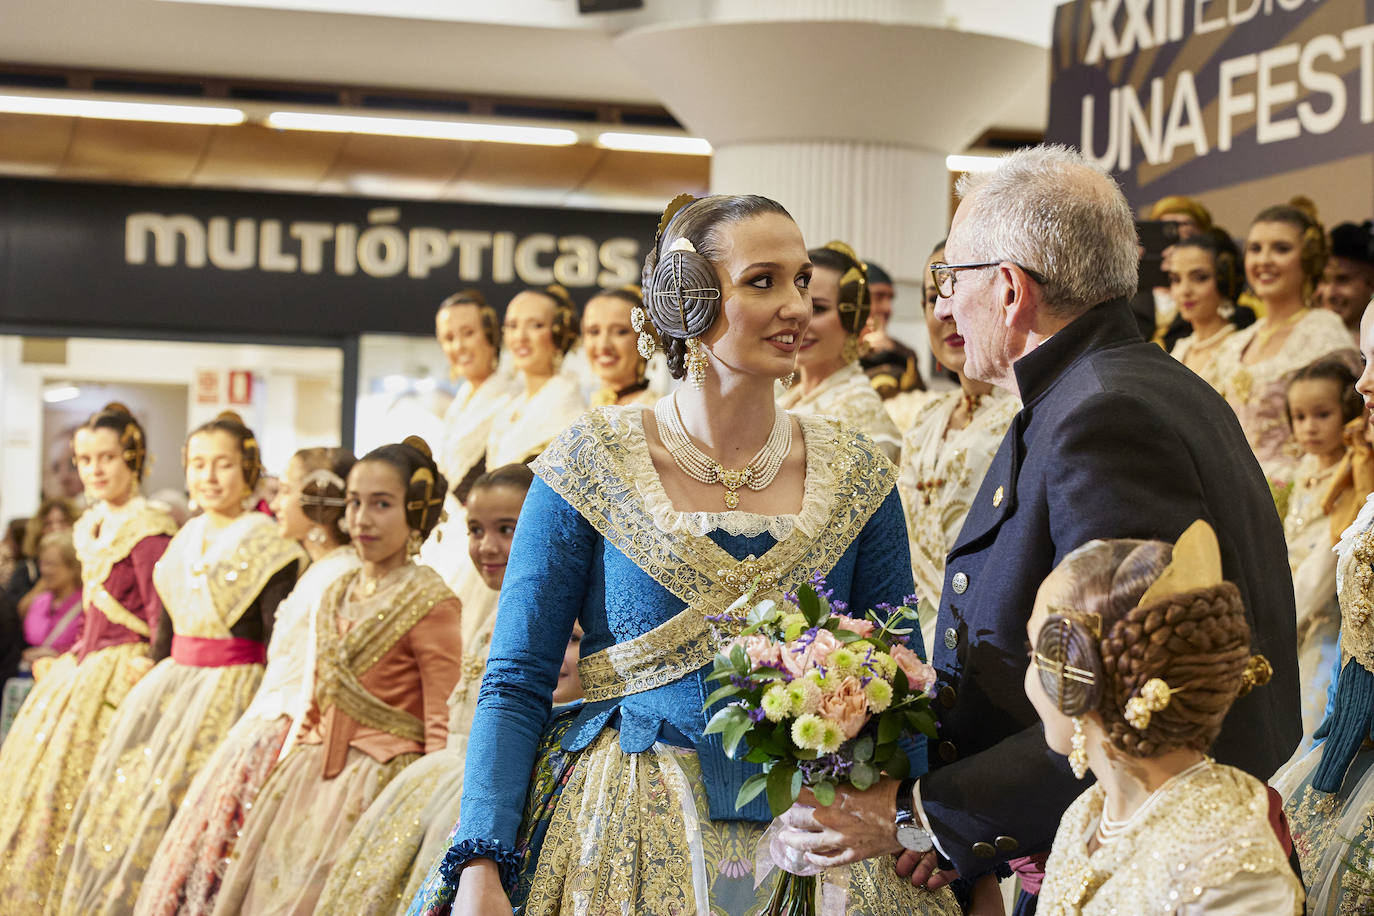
(1020, 297)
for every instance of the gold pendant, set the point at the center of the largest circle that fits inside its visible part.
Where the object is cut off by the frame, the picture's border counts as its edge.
(732, 481)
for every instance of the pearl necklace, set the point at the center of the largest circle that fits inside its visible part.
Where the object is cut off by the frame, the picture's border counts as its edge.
(1109, 829)
(699, 466)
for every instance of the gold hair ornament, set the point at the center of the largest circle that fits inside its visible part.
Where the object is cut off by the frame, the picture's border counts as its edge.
(1154, 696)
(1257, 673)
(425, 503)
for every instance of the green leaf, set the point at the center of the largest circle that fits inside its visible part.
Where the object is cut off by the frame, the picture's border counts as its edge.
(762, 673)
(824, 792)
(751, 788)
(863, 748)
(723, 717)
(863, 775)
(759, 755)
(784, 783)
(734, 732)
(889, 728)
(739, 660)
(897, 765)
(719, 694)
(793, 630)
(809, 603)
(847, 636)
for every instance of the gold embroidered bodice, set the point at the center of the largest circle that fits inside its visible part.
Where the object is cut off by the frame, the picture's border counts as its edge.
(593, 467)
(848, 396)
(207, 590)
(1208, 827)
(374, 625)
(940, 473)
(103, 536)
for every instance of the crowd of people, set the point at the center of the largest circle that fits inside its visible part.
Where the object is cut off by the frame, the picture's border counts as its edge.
(470, 675)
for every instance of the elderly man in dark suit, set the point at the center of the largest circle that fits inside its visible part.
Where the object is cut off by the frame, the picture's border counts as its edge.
(1116, 440)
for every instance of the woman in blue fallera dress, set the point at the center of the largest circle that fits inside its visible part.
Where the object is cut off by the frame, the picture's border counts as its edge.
(645, 525)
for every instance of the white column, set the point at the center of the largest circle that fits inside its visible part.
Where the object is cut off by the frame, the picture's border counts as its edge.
(841, 110)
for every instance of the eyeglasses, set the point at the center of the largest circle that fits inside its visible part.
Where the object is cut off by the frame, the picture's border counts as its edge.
(943, 274)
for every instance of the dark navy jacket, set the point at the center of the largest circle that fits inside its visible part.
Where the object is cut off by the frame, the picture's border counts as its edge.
(1116, 440)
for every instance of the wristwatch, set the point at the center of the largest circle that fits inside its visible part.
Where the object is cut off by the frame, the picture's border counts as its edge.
(910, 833)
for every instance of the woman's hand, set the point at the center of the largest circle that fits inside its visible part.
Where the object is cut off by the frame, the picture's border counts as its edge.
(480, 892)
(857, 825)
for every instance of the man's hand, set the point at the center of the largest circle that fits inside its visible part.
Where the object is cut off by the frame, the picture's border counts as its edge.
(858, 825)
(923, 870)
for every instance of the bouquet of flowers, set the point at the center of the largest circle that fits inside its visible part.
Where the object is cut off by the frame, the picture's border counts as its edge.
(820, 699)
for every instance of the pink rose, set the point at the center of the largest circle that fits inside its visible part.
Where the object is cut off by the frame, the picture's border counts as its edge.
(798, 658)
(918, 674)
(846, 706)
(861, 628)
(761, 650)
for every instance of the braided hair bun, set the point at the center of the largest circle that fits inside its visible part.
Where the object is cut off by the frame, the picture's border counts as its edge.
(1104, 652)
(683, 295)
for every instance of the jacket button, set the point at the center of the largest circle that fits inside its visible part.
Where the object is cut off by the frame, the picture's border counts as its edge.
(959, 583)
(1006, 844)
(951, 638)
(948, 697)
(948, 752)
(984, 850)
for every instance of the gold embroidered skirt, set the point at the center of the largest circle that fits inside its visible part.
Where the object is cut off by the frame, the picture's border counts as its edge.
(1331, 833)
(46, 758)
(632, 833)
(390, 849)
(168, 726)
(188, 867)
(293, 834)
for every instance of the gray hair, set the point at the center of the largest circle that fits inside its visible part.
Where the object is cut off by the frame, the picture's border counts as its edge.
(1050, 209)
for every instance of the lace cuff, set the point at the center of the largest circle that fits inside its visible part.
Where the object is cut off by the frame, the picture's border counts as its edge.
(460, 854)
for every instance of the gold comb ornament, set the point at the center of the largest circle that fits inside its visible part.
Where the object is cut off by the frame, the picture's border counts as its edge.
(1196, 564)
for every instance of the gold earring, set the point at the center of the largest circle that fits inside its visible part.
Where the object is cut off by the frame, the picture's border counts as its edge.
(413, 543)
(851, 348)
(1078, 749)
(788, 379)
(696, 363)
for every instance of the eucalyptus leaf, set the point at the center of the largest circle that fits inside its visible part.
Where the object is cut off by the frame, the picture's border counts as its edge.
(863, 748)
(863, 775)
(824, 792)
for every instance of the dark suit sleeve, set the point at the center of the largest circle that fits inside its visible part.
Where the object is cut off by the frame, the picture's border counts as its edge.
(1116, 470)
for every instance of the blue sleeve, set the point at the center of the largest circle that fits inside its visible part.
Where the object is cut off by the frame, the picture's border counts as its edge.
(882, 575)
(544, 590)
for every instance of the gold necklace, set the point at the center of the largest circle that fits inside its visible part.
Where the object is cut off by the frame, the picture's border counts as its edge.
(367, 585)
(1265, 334)
(696, 464)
